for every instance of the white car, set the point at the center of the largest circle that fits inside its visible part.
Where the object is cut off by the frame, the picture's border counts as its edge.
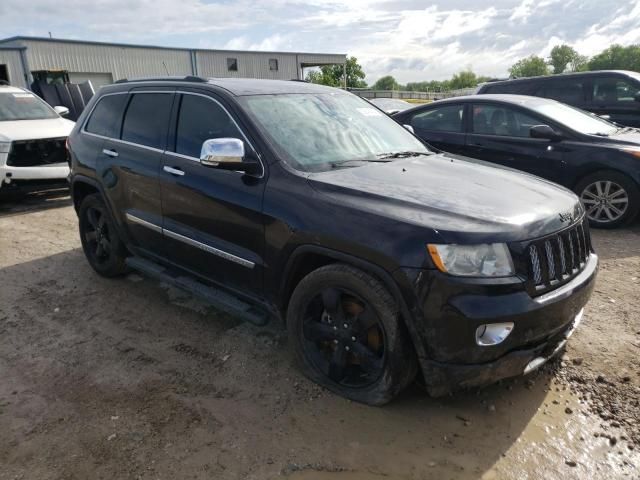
(32, 138)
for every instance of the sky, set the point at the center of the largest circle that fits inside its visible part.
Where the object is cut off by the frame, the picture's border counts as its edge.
(411, 40)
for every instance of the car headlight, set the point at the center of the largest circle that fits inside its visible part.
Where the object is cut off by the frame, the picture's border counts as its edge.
(5, 147)
(484, 260)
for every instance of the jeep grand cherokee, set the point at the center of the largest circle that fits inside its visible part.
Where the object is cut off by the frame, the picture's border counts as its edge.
(304, 203)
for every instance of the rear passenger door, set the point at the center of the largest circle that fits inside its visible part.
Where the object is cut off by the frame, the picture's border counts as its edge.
(441, 126)
(499, 133)
(134, 161)
(615, 96)
(213, 222)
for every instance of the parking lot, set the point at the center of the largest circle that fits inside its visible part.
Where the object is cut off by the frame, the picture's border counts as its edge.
(129, 378)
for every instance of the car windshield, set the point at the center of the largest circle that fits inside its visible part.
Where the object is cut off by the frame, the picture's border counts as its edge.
(315, 132)
(23, 106)
(575, 119)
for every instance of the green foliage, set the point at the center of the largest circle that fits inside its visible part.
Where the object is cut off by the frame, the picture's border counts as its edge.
(617, 57)
(333, 75)
(532, 66)
(386, 83)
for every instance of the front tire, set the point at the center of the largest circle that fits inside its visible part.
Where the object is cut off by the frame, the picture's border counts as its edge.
(347, 336)
(102, 246)
(610, 199)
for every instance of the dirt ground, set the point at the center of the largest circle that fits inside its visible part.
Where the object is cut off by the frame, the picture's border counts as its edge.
(131, 379)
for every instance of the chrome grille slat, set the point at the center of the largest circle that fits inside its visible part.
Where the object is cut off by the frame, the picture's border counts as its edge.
(554, 260)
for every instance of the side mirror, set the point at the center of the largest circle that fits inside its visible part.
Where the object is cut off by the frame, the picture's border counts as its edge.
(62, 111)
(410, 128)
(227, 154)
(605, 117)
(545, 132)
(636, 97)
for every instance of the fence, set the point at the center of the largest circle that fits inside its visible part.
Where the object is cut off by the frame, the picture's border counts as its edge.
(410, 95)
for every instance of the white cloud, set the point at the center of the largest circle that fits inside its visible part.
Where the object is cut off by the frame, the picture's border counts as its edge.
(404, 38)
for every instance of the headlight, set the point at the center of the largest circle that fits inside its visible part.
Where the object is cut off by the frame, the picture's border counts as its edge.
(5, 147)
(485, 260)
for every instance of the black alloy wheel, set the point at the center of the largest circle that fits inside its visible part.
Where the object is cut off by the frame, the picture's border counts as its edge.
(344, 338)
(100, 241)
(347, 335)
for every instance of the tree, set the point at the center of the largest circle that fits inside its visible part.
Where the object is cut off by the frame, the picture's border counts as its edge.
(386, 83)
(464, 79)
(532, 66)
(617, 57)
(333, 75)
(561, 57)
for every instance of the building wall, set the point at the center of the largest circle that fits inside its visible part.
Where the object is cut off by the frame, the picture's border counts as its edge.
(121, 62)
(11, 58)
(100, 62)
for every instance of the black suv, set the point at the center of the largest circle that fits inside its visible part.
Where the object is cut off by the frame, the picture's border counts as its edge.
(292, 201)
(613, 94)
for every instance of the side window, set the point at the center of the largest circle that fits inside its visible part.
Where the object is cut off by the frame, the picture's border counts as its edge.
(501, 120)
(614, 90)
(447, 118)
(147, 119)
(566, 91)
(200, 119)
(519, 88)
(106, 118)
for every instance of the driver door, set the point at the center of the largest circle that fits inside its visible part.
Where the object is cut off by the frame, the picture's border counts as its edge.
(212, 218)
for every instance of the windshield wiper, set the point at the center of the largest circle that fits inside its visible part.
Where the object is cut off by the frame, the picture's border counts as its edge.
(401, 154)
(355, 160)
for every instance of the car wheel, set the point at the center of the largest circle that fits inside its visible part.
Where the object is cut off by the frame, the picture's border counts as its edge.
(347, 336)
(610, 199)
(100, 241)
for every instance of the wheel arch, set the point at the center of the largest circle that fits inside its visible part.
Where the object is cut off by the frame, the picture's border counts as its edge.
(82, 186)
(307, 258)
(601, 169)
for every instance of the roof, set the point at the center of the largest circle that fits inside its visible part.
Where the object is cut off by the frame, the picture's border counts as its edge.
(250, 86)
(563, 75)
(235, 86)
(523, 100)
(132, 45)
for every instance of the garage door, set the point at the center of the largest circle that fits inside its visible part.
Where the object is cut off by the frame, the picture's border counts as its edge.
(97, 79)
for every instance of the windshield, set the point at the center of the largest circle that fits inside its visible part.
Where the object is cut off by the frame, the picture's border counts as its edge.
(315, 132)
(575, 119)
(23, 106)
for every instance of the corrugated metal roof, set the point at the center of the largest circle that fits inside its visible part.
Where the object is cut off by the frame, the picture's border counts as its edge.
(131, 45)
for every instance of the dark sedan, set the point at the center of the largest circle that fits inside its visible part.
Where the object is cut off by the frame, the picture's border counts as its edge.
(598, 160)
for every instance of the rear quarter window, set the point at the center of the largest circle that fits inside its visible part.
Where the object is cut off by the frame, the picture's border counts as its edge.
(106, 117)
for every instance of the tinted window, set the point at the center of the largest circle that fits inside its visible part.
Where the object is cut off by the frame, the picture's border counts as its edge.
(147, 119)
(106, 117)
(447, 118)
(501, 120)
(232, 64)
(199, 120)
(614, 90)
(566, 91)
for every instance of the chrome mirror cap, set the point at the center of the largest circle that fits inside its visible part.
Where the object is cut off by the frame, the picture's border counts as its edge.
(60, 110)
(216, 151)
(410, 128)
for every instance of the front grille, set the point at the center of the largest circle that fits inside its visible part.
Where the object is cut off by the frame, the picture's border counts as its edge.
(551, 261)
(32, 153)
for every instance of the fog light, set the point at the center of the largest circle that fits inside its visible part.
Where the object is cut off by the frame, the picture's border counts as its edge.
(493, 333)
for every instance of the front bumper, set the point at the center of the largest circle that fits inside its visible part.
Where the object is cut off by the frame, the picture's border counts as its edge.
(447, 311)
(56, 171)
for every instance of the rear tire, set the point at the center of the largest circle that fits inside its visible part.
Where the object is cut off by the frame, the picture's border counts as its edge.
(610, 199)
(346, 333)
(102, 246)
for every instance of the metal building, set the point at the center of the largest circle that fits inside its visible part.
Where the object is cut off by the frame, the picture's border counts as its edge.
(104, 63)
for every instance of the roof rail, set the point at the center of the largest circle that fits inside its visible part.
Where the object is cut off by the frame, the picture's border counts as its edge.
(187, 78)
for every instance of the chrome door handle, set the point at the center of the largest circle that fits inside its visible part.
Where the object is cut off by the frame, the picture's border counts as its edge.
(173, 171)
(111, 153)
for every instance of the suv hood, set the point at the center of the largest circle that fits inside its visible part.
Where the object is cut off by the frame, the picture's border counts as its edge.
(460, 199)
(35, 129)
